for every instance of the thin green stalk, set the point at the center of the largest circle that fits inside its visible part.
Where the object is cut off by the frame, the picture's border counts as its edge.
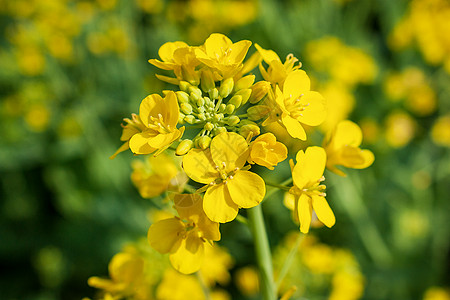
(279, 186)
(263, 255)
(204, 286)
(288, 262)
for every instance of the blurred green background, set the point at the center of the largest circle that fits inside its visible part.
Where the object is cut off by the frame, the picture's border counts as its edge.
(71, 70)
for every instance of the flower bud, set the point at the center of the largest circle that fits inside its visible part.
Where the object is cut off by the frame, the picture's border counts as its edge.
(183, 147)
(201, 116)
(245, 94)
(236, 100)
(209, 126)
(258, 112)
(247, 129)
(259, 91)
(186, 108)
(219, 130)
(222, 107)
(184, 86)
(233, 120)
(214, 93)
(181, 118)
(190, 119)
(244, 83)
(200, 102)
(204, 141)
(230, 109)
(208, 102)
(226, 87)
(182, 97)
(207, 82)
(195, 91)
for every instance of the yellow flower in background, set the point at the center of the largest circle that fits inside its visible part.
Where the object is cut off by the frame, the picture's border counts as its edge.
(297, 105)
(400, 129)
(185, 237)
(440, 132)
(247, 280)
(220, 53)
(176, 286)
(437, 293)
(159, 117)
(266, 151)
(230, 186)
(340, 103)
(127, 279)
(179, 57)
(307, 175)
(216, 265)
(157, 174)
(342, 147)
(277, 71)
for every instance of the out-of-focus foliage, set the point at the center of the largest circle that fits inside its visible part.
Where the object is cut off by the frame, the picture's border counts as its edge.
(70, 70)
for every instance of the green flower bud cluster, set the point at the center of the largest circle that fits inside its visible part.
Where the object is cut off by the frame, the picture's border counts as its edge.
(212, 106)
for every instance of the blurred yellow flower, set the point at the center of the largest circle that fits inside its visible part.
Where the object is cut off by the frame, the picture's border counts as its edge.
(342, 147)
(176, 286)
(215, 266)
(308, 192)
(266, 151)
(400, 129)
(297, 105)
(38, 117)
(437, 293)
(340, 103)
(157, 174)
(230, 186)
(440, 133)
(185, 237)
(247, 280)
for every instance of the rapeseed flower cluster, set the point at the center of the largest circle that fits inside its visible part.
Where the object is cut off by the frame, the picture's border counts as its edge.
(216, 118)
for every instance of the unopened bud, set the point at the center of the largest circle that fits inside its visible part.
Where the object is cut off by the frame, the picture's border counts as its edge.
(209, 126)
(195, 91)
(186, 108)
(182, 97)
(208, 102)
(259, 91)
(233, 120)
(247, 129)
(245, 94)
(226, 87)
(181, 118)
(207, 80)
(219, 130)
(214, 93)
(230, 109)
(201, 116)
(200, 102)
(184, 147)
(236, 100)
(204, 141)
(190, 119)
(184, 86)
(222, 108)
(258, 112)
(244, 83)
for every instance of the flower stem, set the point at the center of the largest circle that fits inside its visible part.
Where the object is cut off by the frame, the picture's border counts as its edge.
(279, 186)
(263, 255)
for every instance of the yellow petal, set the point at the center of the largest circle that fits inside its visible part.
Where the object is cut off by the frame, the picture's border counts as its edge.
(309, 167)
(122, 148)
(151, 105)
(172, 110)
(139, 143)
(293, 127)
(217, 43)
(347, 133)
(199, 166)
(189, 206)
(238, 51)
(267, 55)
(304, 213)
(162, 65)
(323, 210)
(315, 111)
(164, 235)
(189, 256)
(166, 50)
(209, 229)
(229, 148)
(162, 140)
(247, 189)
(125, 267)
(218, 205)
(296, 83)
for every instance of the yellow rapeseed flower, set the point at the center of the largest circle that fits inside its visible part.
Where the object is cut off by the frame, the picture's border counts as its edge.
(266, 151)
(297, 105)
(220, 53)
(230, 186)
(342, 147)
(277, 71)
(308, 192)
(184, 237)
(440, 132)
(155, 128)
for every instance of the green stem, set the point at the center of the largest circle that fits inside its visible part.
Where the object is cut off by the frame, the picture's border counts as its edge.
(263, 255)
(279, 186)
(288, 262)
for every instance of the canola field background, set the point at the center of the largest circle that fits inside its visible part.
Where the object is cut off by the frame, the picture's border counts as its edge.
(70, 71)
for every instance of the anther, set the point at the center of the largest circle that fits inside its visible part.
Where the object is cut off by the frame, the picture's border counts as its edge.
(230, 177)
(224, 164)
(321, 179)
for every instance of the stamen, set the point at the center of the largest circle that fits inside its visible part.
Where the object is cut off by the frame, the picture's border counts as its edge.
(224, 164)
(230, 177)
